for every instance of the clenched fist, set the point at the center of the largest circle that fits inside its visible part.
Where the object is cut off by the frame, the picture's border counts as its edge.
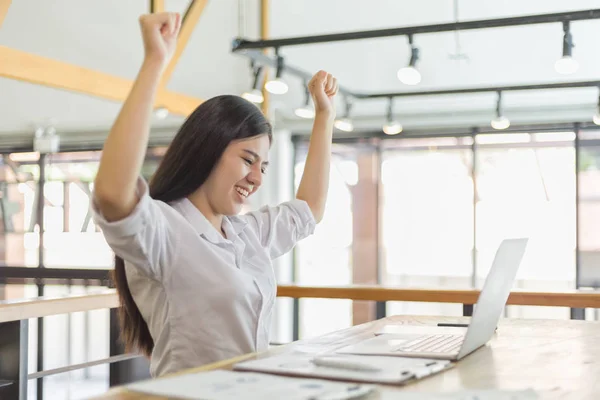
(159, 32)
(323, 87)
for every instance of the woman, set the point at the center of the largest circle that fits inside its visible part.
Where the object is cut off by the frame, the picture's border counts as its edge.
(195, 279)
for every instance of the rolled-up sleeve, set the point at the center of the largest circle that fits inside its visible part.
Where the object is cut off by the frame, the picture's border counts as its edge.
(145, 238)
(280, 228)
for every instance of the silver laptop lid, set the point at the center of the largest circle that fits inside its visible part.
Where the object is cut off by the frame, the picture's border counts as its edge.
(494, 294)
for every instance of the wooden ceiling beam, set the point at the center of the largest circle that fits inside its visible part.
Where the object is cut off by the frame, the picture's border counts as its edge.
(31, 68)
(4, 6)
(190, 18)
(157, 6)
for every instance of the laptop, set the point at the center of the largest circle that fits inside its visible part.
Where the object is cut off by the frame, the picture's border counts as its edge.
(454, 346)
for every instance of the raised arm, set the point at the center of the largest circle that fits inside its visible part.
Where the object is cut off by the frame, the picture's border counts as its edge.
(315, 178)
(125, 147)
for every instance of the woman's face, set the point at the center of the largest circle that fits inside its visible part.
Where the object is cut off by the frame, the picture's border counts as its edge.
(237, 175)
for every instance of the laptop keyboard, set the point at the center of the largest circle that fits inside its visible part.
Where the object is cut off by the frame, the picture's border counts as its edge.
(433, 344)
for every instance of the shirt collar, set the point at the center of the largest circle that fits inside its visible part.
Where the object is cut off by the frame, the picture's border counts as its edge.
(232, 226)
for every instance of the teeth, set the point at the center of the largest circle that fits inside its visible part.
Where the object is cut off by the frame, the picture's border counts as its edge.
(241, 191)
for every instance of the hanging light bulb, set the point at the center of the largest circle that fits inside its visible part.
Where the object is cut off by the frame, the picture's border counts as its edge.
(500, 122)
(161, 112)
(410, 75)
(255, 95)
(306, 111)
(277, 85)
(345, 123)
(566, 64)
(391, 127)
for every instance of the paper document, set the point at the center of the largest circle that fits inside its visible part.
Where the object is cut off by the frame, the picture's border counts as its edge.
(357, 368)
(463, 395)
(231, 385)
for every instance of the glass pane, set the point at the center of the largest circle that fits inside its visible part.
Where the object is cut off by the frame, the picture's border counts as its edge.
(20, 249)
(72, 339)
(325, 258)
(70, 236)
(19, 167)
(426, 221)
(589, 209)
(17, 206)
(528, 191)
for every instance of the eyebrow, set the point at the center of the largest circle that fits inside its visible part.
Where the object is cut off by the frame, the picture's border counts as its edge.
(255, 156)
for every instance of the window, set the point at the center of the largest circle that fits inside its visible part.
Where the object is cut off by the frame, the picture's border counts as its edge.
(19, 174)
(426, 201)
(527, 189)
(325, 258)
(589, 209)
(70, 234)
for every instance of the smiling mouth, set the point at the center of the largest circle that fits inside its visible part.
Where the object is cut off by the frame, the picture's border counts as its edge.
(243, 192)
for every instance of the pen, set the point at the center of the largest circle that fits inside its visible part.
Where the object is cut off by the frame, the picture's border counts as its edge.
(455, 325)
(344, 364)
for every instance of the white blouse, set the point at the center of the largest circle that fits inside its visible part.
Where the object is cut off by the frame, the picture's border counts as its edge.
(205, 298)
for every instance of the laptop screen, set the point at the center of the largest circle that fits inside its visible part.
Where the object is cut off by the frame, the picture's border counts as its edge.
(494, 294)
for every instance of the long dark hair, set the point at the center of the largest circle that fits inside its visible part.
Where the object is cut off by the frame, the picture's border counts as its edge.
(189, 160)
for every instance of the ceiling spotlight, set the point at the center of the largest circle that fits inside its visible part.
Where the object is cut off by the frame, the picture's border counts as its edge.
(306, 111)
(277, 85)
(410, 75)
(255, 95)
(345, 123)
(566, 64)
(391, 127)
(500, 122)
(161, 112)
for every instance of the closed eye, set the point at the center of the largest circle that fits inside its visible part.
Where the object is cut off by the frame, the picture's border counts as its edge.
(248, 161)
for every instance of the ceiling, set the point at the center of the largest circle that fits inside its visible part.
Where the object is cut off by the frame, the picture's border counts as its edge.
(104, 36)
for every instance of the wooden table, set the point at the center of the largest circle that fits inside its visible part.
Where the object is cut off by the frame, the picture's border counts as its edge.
(559, 359)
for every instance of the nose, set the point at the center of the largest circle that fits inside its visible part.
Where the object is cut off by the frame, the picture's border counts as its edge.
(255, 176)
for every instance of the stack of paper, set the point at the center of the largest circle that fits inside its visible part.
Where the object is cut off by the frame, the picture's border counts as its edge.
(231, 385)
(469, 395)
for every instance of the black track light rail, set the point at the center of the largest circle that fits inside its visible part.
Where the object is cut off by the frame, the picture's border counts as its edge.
(243, 44)
(253, 51)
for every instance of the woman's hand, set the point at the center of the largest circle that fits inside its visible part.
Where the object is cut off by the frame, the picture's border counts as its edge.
(159, 33)
(323, 87)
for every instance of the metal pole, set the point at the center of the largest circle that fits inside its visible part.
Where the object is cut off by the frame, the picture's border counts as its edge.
(23, 358)
(40, 222)
(242, 44)
(475, 198)
(577, 313)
